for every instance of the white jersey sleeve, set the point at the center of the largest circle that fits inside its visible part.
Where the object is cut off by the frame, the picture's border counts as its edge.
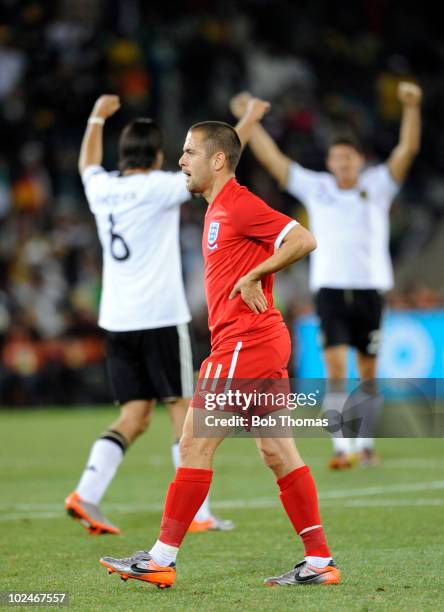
(173, 187)
(94, 179)
(379, 180)
(301, 183)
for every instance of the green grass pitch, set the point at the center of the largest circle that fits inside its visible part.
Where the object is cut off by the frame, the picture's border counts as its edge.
(384, 525)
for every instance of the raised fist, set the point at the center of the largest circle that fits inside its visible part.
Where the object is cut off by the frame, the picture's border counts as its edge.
(257, 108)
(239, 103)
(106, 106)
(409, 94)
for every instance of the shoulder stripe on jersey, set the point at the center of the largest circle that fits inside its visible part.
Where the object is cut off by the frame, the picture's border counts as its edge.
(186, 360)
(283, 233)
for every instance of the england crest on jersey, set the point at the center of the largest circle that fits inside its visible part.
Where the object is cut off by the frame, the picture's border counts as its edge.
(213, 232)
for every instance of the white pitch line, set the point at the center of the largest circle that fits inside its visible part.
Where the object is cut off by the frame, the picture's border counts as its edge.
(425, 464)
(394, 488)
(263, 503)
(31, 515)
(391, 503)
(334, 494)
(24, 511)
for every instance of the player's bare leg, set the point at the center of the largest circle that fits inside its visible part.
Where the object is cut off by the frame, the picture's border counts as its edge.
(134, 419)
(104, 459)
(371, 403)
(336, 363)
(280, 455)
(366, 366)
(204, 520)
(299, 499)
(197, 452)
(177, 410)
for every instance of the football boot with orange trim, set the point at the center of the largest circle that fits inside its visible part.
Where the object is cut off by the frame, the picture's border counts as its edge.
(342, 461)
(211, 524)
(88, 515)
(304, 573)
(140, 566)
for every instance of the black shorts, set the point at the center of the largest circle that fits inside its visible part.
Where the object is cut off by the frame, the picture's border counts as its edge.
(150, 364)
(350, 316)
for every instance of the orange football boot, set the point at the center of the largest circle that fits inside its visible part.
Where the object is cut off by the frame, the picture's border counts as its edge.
(88, 515)
(211, 524)
(304, 573)
(141, 567)
(341, 461)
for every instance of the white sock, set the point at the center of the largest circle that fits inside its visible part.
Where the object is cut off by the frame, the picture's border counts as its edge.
(104, 459)
(164, 554)
(175, 454)
(204, 513)
(319, 562)
(369, 404)
(364, 443)
(334, 401)
(342, 445)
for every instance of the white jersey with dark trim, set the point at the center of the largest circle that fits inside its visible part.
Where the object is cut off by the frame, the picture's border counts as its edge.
(351, 227)
(137, 218)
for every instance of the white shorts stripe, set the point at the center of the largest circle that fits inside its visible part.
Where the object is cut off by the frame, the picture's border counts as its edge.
(216, 377)
(233, 365)
(207, 375)
(186, 360)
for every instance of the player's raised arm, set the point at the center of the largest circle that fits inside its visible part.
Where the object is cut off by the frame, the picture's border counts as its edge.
(263, 146)
(402, 156)
(91, 151)
(249, 111)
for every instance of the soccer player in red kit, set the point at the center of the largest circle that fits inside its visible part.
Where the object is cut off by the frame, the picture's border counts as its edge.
(244, 243)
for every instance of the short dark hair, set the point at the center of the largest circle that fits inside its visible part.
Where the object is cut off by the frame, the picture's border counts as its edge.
(139, 143)
(220, 136)
(348, 140)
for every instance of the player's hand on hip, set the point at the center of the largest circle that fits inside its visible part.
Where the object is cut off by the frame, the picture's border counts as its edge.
(106, 106)
(409, 94)
(251, 293)
(239, 103)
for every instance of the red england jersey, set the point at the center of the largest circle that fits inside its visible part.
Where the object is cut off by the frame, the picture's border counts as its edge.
(240, 232)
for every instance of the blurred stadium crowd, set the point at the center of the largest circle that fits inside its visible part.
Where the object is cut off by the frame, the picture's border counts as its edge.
(322, 65)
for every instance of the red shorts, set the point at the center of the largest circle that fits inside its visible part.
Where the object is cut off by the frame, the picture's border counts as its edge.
(246, 364)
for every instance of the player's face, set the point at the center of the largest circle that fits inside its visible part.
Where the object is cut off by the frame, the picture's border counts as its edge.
(195, 163)
(345, 163)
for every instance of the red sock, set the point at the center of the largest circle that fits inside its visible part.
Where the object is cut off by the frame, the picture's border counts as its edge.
(184, 498)
(299, 498)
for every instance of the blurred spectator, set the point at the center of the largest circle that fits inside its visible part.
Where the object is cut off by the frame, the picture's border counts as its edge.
(12, 64)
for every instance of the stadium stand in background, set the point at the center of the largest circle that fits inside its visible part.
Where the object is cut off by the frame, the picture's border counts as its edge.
(321, 66)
